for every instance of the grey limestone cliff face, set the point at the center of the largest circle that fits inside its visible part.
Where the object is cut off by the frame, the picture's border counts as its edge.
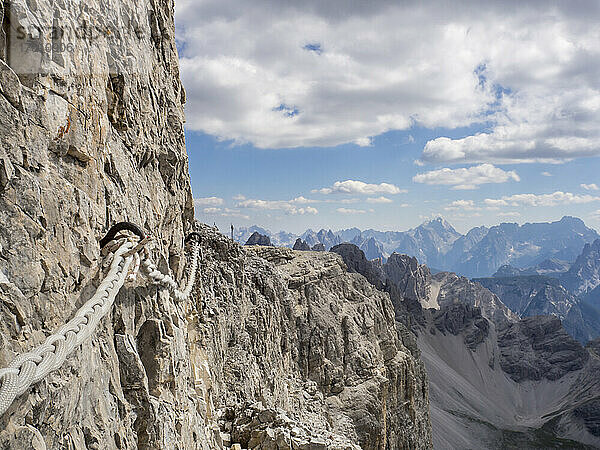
(533, 295)
(460, 318)
(538, 347)
(86, 141)
(311, 342)
(412, 278)
(453, 288)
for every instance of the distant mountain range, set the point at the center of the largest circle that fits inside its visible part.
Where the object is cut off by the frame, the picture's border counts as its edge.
(568, 291)
(550, 247)
(534, 269)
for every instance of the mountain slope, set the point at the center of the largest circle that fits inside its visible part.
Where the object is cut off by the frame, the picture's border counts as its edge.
(536, 294)
(551, 267)
(506, 383)
(476, 404)
(584, 275)
(525, 245)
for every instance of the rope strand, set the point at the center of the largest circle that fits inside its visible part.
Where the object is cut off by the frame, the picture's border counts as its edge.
(167, 281)
(33, 366)
(123, 256)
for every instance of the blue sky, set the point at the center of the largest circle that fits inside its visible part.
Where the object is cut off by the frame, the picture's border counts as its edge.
(312, 119)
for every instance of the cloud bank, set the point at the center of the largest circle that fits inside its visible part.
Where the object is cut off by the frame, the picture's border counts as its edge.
(466, 178)
(289, 206)
(554, 199)
(284, 74)
(208, 201)
(360, 187)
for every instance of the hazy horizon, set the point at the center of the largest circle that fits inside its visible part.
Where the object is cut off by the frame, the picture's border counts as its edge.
(226, 229)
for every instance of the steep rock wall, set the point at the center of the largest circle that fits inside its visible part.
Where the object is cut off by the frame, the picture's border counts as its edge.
(89, 138)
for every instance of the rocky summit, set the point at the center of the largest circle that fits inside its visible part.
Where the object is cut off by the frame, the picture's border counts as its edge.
(258, 239)
(294, 350)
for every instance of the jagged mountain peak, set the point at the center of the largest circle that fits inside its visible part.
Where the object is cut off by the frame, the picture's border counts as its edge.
(584, 274)
(300, 245)
(439, 222)
(258, 239)
(576, 221)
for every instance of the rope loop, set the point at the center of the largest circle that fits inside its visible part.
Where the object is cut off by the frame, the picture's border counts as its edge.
(166, 281)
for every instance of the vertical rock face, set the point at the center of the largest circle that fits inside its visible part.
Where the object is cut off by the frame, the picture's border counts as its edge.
(453, 288)
(412, 278)
(90, 136)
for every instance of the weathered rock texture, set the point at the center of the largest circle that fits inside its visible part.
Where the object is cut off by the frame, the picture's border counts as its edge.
(539, 347)
(298, 333)
(85, 143)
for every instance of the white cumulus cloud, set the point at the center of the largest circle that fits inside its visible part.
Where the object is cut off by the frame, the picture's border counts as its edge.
(380, 199)
(208, 201)
(288, 206)
(509, 214)
(553, 199)
(590, 187)
(360, 187)
(462, 205)
(314, 73)
(350, 211)
(466, 178)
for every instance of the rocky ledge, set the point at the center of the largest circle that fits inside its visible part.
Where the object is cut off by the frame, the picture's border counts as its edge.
(314, 346)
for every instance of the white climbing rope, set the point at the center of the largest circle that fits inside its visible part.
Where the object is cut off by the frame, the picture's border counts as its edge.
(168, 282)
(123, 255)
(31, 367)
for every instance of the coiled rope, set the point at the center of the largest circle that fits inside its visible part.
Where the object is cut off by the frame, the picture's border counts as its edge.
(123, 255)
